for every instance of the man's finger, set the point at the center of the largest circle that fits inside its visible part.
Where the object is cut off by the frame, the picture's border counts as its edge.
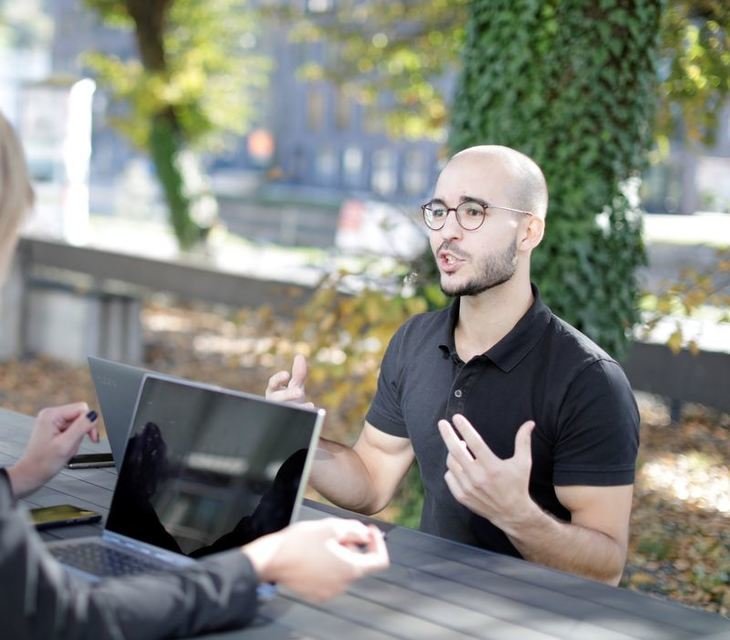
(298, 371)
(453, 444)
(278, 381)
(474, 441)
(455, 486)
(523, 442)
(453, 466)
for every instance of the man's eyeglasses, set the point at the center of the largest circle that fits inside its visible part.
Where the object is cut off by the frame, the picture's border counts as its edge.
(469, 214)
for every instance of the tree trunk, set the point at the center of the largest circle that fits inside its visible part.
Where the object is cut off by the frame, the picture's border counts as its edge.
(165, 147)
(571, 83)
(166, 139)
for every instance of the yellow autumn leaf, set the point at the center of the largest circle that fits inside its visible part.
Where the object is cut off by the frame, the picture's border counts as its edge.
(675, 341)
(642, 579)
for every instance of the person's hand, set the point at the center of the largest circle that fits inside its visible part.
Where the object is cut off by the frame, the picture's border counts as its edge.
(56, 436)
(289, 387)
(319, 559)
(495, 489)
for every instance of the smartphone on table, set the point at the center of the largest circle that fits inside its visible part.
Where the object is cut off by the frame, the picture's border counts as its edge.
(90, 461)
(62, 514)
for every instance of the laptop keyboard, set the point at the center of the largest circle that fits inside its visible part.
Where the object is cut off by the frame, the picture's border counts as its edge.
(101, 560)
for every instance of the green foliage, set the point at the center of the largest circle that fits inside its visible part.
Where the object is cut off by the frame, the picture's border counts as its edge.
(694, 292)
(196, 81)
(571, 84)
(205, 71)
(345, 338)
(164, 145)
(409, 499)
(695, 49)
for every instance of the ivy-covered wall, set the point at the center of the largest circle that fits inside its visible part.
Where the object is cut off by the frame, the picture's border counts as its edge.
(571, 83)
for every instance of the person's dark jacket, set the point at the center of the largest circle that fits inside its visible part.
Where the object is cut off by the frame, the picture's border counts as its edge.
(38, 599)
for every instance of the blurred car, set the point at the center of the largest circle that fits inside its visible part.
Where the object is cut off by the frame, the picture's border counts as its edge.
(369, 226)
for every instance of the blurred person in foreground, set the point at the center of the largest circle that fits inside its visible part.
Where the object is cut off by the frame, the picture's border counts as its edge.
(38, 599)
(525, 431)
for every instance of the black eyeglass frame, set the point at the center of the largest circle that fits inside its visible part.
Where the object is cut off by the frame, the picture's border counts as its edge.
(425, 208)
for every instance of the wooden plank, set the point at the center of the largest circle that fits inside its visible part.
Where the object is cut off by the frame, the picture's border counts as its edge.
(621, 599)
(428, 597)
(552, 591)
(311, 621)
(260, 629)
(369, 614)
(47, 497)
(521, 603)
(73, 487)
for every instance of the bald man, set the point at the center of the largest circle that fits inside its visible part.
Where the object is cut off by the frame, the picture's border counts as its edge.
(525, 431)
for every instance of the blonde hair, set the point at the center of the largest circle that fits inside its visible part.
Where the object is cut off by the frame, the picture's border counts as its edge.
(16, 192)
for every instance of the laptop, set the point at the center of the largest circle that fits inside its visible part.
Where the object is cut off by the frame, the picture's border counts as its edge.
(205, 469)
(117, 387)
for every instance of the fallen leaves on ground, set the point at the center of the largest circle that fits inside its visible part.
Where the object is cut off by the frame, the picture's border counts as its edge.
(680, 523)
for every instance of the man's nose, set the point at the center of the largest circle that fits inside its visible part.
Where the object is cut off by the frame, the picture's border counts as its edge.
(451, 228)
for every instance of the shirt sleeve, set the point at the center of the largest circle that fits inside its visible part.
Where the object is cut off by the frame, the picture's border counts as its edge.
(385, 412)
(38, 599)
(598, 429)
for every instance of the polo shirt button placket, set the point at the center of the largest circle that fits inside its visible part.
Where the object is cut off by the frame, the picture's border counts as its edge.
(459, 402)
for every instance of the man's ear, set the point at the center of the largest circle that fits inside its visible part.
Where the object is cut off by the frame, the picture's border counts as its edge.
(532, 234)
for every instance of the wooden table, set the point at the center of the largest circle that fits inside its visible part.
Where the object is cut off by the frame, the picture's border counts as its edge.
(434, 589)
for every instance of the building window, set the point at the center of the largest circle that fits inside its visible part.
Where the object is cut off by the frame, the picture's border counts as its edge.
(415, 172)
(343, 110)
(384, 176)
(319, 6)
(326, 166)
(352, 167)
(372, 119)
(297, 164)
(315, 109)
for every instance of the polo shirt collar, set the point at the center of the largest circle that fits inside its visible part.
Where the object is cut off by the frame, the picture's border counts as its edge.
(511, 349)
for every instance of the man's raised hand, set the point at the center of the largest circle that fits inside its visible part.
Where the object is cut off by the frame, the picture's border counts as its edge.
(289, 387)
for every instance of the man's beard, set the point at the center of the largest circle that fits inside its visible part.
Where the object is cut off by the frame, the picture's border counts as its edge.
(495, 270)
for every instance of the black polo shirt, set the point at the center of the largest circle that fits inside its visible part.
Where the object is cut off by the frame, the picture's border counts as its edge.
(587, 422)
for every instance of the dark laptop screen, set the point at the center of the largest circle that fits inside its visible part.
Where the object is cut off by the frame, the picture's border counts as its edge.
(206, 470)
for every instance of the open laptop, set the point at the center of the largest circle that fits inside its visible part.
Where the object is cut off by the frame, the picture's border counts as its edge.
(205, 469)
(117, 387)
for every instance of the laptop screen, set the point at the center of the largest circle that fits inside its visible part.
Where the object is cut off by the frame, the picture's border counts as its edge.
(206, 470)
